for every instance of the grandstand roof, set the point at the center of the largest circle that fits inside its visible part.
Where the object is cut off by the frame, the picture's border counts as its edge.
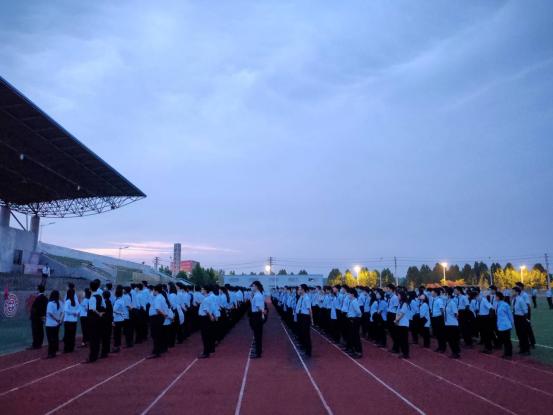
(44, 170)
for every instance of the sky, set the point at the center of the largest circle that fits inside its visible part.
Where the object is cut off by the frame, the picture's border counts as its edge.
(320, 133)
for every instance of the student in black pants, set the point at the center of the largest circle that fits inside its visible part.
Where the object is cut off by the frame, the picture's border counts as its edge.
(119, 311)
(106, 322)
(38, 316)
(93, 321)
(54, 317)
(157, 317)
(71, 315)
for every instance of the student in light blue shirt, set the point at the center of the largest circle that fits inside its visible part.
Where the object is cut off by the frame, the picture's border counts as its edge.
(257, 318)
(437, 319)
(70, 316)
(380, 318)
(451, 313)
(353, 314)
(402, 324)
(505, 324)
(305, 319)
(158, 313)
(54, 317)
(83, 307)
(520, 311)
(424, 319)
(119, 313)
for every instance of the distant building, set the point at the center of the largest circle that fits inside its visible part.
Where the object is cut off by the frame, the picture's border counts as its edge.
(269, 281)
(188, 265)
(176, 258)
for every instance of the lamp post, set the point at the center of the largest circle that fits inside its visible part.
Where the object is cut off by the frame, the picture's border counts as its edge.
(444, 267)
(268, 272)
(522, 268)
(357, 270)
(120, 249)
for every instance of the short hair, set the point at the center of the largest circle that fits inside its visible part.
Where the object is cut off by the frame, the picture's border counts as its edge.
(41, 288)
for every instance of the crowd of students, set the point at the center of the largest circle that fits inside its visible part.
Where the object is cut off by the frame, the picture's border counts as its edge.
(454, 316)
(129, 315)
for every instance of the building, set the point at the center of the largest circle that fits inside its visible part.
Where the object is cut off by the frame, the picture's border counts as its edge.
(176, 258)
(188, 265)
(45, 172)
(269, 281)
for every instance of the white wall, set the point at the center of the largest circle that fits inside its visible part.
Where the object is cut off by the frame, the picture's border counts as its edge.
(10, 240)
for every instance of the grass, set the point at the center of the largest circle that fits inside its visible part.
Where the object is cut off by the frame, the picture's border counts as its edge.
(542, 322)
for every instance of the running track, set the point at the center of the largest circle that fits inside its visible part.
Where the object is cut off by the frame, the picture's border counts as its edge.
(282, 382)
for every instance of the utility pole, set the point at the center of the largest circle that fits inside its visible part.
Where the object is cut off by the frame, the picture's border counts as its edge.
(156, 263)
(271, 269)
(547, 271)
(395, 271)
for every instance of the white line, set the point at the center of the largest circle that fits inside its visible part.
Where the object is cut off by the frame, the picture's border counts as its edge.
(57, 408)
(395, 392)
(514, 362)
(164, 391)
(243, 386)
(328, 410)
(461, 387)
(516, 382)
(37, 380)
(539, 345)
(19, 364)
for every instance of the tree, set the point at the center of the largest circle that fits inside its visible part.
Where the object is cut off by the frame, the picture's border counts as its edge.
(165, 270)
(282, 272)
(413, 277)
(349, 279)
(202, 277)
(303, 272)
(468, 275)
(232, 273)
(367, 278)
(334, 277)
(182, 275)
(387, 277)
(425, 274)
(453, 273)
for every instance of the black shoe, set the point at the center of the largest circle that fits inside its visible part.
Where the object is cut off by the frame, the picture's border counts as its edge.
(485, 351)
(153, 356)
(455, 356)
(255, 356)
(508, 357)
(203, 356)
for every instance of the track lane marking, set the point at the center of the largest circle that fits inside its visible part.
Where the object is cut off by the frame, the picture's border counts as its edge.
(20, 364)
(391, 389)
(164, 391)
(243, 386)
(32, 382)
(516, 382)
(450, 382)
(57, 408)
(321, 397)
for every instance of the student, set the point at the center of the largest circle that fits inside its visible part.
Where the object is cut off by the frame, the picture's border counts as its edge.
(380, 318)
(83, 311)
(305, 319)
(119, 313)
(354, 316)
(402, 325)
(167, 322)
(106, 323)
(158, 314)
(484, 322)
(393, 306)
(549, 296)
(257, 315)
(437, 319)
(54, 317)
(424, 319)
(520, 311)
(70, 316)
(414, 321)
(333, 327)
(128, 328)
(451, 313)
(38, 316)
(95, 307)
(207, 318)
(526, 297)
(465, 321)
(505, 324)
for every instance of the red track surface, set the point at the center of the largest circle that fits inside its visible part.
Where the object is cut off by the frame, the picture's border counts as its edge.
(282, 382)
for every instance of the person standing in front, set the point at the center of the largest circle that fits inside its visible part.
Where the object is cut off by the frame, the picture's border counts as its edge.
(451, 324)
(354, 318)
(54, 317)
(71, 315)
(257, 312)
(521, 310)
(505, 324)
(402, 325)
(38, 316)
(305, 319)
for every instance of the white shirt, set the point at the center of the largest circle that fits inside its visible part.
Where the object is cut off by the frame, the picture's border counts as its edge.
(258, 302)
(53, 314)
(120, 312)
(71, 312)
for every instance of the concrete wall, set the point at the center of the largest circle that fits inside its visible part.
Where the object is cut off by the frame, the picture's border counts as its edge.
(10, 240)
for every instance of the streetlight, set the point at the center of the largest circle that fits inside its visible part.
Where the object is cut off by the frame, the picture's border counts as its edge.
(357, 270)
(42, 226)
(444, 266)
(522, 268)
(121, 248)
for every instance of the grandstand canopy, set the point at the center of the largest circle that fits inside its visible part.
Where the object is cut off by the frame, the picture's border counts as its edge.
(46, 171)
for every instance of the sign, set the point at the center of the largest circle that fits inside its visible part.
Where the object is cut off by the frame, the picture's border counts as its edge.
(10, 305)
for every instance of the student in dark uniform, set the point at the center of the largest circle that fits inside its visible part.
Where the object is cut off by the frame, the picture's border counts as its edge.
(54, 318)
(95, 306)
(106, 322)
(38, 316)
(157, 317)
